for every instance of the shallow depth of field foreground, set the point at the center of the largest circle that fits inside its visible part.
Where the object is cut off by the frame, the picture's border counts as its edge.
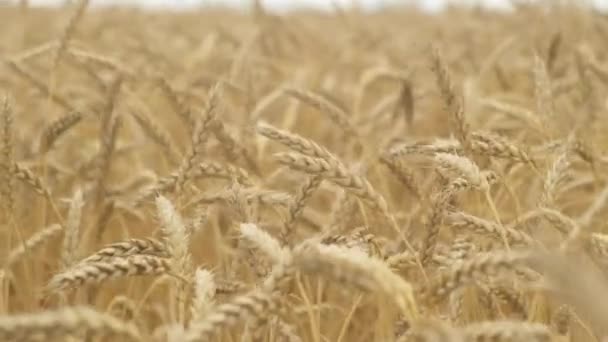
(216, 176)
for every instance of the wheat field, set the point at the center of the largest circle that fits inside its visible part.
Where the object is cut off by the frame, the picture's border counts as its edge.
(216, 175)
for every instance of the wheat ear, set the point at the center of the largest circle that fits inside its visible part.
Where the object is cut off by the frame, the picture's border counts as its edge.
(64, 322)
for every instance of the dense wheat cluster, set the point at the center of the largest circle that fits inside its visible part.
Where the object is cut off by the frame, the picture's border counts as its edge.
(349, 176)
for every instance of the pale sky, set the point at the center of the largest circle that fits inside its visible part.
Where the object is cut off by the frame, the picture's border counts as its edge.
(285, 4)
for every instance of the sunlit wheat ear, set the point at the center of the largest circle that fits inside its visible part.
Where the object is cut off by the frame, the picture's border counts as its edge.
(197, 171)
(337, 173)
(255, 304)
(465, 168)
(491, 144)
(249, 196)
(97, 272)
(200, 135)
(127, 248)
(222, 171)
(295, 142)
(462, 167)
(72, 230)
(205, 289)
(178, 240)
(226, 315)
(426, 148)
(453, 103)
(461, 220)
(555, 178)
(355, 268)
(439, 204)
(61, 323)
(175, 233)
(270, 246)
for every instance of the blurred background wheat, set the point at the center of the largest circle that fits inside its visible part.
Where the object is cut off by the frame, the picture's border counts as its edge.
(216, 174)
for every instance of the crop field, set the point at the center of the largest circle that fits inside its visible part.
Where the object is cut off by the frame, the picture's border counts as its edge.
(216, 175)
